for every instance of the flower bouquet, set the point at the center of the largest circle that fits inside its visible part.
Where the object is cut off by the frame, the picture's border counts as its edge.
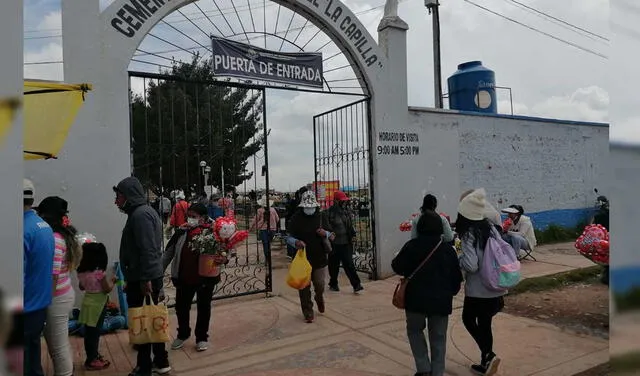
(206, 245)
(407, 225)
(594, 244)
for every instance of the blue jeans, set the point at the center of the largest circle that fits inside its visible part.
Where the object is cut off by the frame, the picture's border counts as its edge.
(33, 328)
(437, 330)
(265, 237)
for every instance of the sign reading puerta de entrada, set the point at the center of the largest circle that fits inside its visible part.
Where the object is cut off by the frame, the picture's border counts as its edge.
(239, 60)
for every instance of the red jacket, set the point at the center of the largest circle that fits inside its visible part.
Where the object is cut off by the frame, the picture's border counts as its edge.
(179, 214)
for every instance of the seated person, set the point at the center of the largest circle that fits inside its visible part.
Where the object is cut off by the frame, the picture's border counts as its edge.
(517, 230)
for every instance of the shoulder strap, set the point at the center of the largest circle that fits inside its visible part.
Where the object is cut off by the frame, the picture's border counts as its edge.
(426, 259)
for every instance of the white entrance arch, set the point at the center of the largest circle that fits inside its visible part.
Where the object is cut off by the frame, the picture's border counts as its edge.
(98, 47)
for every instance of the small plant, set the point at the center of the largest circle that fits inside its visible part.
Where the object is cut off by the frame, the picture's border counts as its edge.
(628, 301)
(559, 234)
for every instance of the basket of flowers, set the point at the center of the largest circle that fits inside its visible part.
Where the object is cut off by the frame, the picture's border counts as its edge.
(206, 245)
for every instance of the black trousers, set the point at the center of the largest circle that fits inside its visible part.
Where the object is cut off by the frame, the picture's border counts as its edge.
(33, 327)
(92, 339)
(342, 254)
(135, 298)
(184, 298)
(477, 317)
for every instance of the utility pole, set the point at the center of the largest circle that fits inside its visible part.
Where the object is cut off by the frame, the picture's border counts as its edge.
(432, 6)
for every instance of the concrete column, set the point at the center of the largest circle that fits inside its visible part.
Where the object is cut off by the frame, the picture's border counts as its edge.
(11, 33)
(96, 154)
(390, 112)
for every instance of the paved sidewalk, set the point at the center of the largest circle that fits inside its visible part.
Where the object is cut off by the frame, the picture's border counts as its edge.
(359, 335)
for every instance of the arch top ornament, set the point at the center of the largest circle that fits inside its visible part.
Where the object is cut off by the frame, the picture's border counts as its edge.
(125, 23)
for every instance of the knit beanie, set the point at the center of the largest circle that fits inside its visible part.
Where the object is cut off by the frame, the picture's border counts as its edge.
(473, 205)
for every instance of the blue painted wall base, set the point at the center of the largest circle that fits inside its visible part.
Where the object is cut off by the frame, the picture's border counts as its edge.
(623, 279)
(568, 218)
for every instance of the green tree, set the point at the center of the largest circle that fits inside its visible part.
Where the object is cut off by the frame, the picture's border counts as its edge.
(179, 122)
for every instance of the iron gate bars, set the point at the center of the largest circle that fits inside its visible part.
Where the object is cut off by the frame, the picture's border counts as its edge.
(342, 161)
(193, 135)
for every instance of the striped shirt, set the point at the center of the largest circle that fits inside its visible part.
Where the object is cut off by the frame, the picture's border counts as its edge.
(61, 266)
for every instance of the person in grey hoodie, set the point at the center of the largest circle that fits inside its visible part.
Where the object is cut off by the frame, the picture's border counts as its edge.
(480, 303)
(141, 261)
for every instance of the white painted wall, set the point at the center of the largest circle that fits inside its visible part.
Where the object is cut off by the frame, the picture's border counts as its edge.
(625, 205)
(541, 164)
(11, 150)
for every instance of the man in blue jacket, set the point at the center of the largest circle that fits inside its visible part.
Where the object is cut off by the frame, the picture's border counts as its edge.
(39, 246)
(141, 260)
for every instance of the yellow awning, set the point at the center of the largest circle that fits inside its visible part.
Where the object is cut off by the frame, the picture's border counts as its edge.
(50, 109)
(7, 109)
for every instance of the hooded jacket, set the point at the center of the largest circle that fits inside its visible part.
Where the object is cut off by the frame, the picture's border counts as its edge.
(141, 243)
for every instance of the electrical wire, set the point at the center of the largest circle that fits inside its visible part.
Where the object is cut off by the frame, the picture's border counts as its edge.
(563, 22)
(575, 45)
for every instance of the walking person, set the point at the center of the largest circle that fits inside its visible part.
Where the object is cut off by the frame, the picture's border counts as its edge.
(96, 284)
(66, 258)
(179, 212)
(430, 204)
(267, 224)
(339, 221)
(187, 281)
(38, 247)
(305, 230)
(141, 260)
(480, 303)
(429, 293)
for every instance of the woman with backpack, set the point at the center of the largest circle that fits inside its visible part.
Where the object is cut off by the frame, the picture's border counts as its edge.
(481, 303)
(431, 265)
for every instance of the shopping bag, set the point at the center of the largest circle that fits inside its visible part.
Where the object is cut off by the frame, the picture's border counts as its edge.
(299, 275)
(149, 323)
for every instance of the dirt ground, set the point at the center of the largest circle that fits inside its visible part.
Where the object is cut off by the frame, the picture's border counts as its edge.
(581, 307)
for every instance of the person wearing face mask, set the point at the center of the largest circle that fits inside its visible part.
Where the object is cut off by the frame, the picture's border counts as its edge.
(306, 231)
(187, 281)
(338, 220)
(141, 261)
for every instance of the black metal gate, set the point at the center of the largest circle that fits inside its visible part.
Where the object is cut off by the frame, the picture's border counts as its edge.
(200, 136)
(343, 161)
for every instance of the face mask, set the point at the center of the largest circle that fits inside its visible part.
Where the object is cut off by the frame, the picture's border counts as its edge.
(193, 221)
(309, 211)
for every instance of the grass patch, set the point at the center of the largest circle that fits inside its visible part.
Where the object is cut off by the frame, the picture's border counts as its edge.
(558, 234)
(625, 363)
(629, 301)
(553, 281)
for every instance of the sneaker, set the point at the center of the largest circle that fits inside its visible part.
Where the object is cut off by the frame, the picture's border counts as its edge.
(308, 319)
(177, 344)
(202, 346)
(161, 369)
(491, 364)
(334, 288)
(96, 365)
(357, 289)
(478, 369)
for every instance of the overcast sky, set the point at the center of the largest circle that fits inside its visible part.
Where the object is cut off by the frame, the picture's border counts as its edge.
(548, 77)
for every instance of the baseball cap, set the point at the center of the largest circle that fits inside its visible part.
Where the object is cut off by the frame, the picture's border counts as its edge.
(29, 191)
(53, 205)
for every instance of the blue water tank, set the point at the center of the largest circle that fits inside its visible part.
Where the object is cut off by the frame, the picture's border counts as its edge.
(473, 88)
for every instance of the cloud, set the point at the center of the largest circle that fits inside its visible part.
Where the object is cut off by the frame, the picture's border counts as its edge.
(49, 53)
(585, 104)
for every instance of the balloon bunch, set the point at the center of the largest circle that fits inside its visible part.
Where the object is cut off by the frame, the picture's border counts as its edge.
(227, 234)
(594, 244)
(407, 225)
